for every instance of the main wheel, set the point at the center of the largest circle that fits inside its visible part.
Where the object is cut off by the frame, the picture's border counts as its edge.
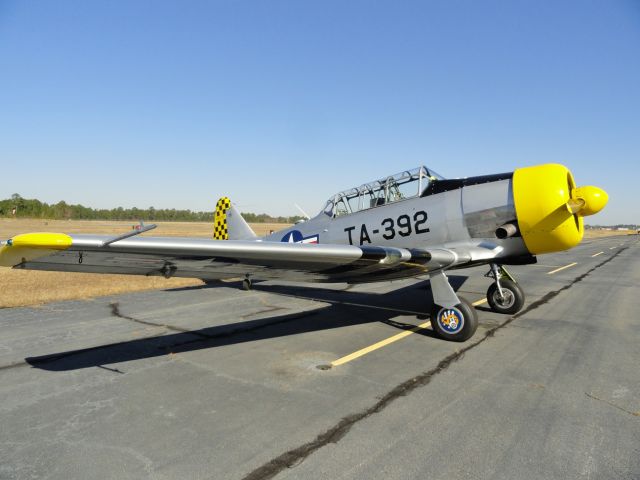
(511, 301)
(457, 324)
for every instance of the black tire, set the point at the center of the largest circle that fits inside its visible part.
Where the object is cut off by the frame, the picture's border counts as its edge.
(463, 314)
(513, 300)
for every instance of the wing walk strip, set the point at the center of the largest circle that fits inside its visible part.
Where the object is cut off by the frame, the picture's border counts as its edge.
(388, 341)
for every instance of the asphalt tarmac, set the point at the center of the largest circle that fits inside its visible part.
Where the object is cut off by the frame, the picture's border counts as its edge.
(299, 382)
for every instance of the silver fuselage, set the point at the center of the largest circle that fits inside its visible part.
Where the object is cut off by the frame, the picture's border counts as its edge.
(466, 215)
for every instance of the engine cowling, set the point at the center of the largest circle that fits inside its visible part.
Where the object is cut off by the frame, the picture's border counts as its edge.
(550, 208)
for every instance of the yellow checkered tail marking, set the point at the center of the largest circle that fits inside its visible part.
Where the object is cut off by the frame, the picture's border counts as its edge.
(220, 230)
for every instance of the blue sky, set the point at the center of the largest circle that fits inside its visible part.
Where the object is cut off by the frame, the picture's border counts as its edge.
(172, 104)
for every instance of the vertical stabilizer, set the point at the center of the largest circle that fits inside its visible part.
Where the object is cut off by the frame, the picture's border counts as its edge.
(228, 224)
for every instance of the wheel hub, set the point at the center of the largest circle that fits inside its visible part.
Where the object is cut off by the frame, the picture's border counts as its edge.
(506, 300)
(451, 320)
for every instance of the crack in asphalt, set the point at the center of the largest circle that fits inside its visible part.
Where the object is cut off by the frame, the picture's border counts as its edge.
(271, 309)
(297, 455)
(243, 330)
(114, 370)
(607, 402)
(115, 311)
(13, 365)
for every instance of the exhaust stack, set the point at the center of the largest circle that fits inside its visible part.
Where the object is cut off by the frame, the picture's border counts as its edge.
(507, 230)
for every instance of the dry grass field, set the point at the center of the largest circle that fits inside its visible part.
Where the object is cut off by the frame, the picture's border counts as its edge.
(24, 287)
(606, 233)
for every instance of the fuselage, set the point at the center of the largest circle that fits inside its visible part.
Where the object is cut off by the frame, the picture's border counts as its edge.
(448, 213)
(541, 205)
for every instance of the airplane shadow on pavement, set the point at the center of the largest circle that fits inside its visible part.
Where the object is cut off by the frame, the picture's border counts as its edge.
(341, 308)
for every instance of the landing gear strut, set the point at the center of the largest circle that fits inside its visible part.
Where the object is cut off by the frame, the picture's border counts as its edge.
(504, 295)
(452, 318)
(246, 284)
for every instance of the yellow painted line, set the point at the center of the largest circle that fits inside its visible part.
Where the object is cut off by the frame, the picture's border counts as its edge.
(612, 248)
(596, 254)
(380, 344)
(388, 341)
(562, 268)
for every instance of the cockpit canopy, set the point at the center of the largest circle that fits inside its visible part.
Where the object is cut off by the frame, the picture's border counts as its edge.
(401, 186)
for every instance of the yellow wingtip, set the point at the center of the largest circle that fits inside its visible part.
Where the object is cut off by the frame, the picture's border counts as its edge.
(29, 246)
(55, 241)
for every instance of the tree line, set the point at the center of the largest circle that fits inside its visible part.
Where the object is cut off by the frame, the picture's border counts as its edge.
(626, 226)
(18, 207)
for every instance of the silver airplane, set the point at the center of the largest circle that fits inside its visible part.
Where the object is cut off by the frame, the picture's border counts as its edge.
(415, 223)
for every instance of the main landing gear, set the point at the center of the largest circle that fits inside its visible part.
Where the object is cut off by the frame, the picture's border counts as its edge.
(452, 318)
(504, 295)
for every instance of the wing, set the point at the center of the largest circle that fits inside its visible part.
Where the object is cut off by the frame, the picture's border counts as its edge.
(211, 259)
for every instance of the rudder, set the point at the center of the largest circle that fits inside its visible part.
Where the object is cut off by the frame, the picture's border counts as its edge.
(228, 223)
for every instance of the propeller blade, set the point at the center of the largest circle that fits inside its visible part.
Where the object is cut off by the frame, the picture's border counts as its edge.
(574, 205)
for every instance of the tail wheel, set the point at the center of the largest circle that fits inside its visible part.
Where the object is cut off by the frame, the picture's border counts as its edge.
(512, 298)
(457, 323)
